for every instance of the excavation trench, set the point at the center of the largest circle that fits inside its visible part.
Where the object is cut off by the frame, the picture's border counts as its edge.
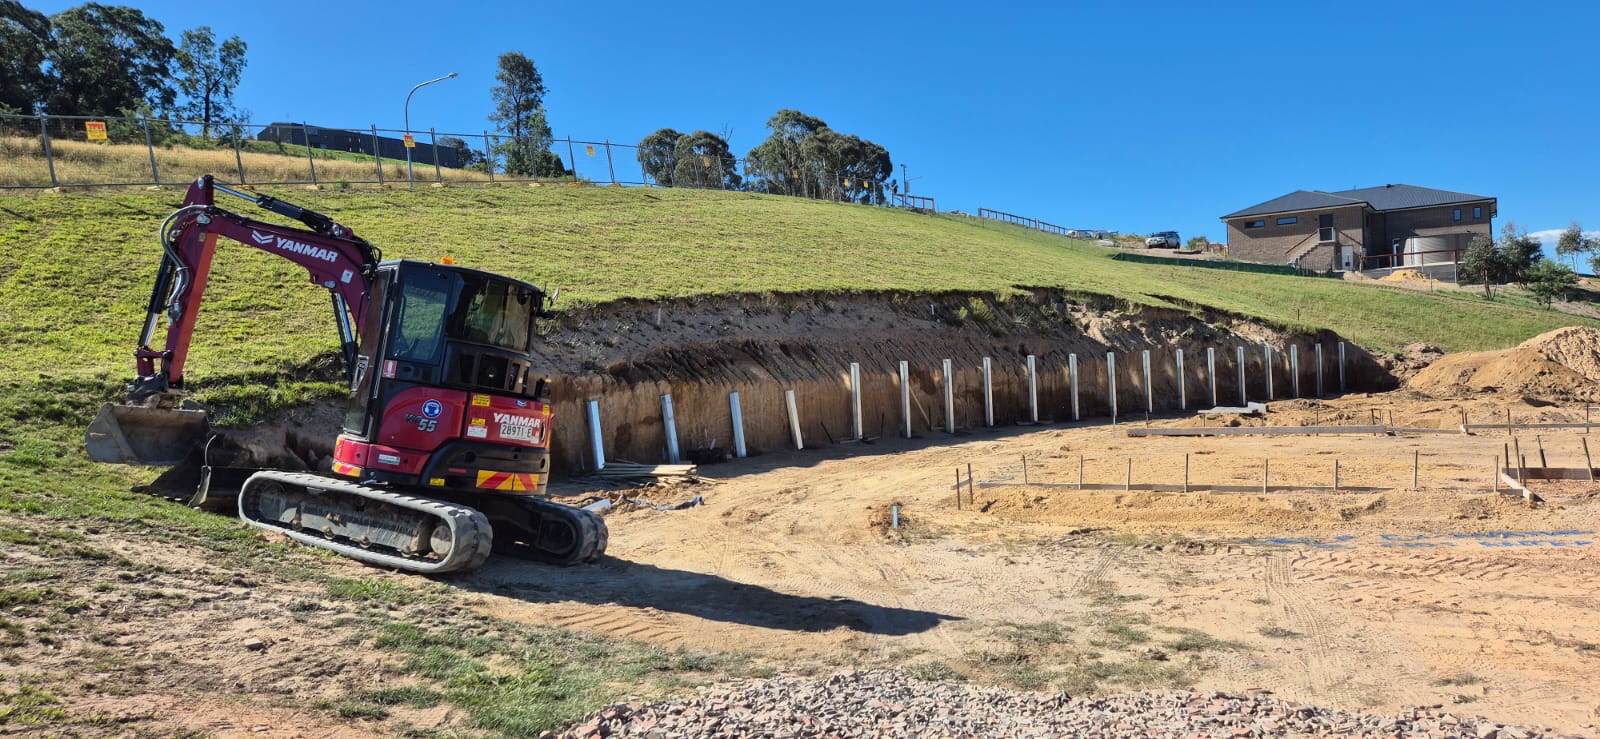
(625, 355)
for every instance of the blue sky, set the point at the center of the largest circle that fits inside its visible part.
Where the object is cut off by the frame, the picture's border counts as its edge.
(1132, 116)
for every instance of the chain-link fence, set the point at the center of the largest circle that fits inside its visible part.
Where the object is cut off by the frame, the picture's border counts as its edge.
(100, 151)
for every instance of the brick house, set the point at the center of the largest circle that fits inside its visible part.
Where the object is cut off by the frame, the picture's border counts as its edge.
(1366, 228)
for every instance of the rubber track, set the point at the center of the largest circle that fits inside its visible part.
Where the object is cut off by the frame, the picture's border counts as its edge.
(472, 538)
(591, 530)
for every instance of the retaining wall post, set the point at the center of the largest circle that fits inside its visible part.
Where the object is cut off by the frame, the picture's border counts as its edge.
(1294, 369)
(738, 425)
(1072, 378)
(1149, 391)
(1242, 401)
(988, 392)
(1111, 384)
(669, 425)
(905, 399)
(1211, 372)
(855, 401)
(595, 441)
(1183, 384)
(794, 419)
(949, 399)
(1033, 389)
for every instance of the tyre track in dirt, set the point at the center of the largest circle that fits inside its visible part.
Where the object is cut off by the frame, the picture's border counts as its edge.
(1323, 672)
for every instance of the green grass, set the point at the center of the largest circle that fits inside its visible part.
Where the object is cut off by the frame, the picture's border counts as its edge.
(524, 682)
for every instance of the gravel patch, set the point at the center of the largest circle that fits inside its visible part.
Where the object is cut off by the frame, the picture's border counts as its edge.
(885, 703)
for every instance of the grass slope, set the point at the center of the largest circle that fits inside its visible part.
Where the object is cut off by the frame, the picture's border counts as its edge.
(75, 268)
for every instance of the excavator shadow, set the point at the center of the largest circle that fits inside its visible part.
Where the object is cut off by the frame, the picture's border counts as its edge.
(614, 581)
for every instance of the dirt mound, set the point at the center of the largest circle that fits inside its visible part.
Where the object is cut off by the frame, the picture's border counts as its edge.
(1561, 364)
(1405, 275)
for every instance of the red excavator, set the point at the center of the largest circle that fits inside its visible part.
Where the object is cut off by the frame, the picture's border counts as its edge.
(444, 454)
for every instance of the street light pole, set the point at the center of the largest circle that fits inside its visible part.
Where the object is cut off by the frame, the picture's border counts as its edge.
(411, 180)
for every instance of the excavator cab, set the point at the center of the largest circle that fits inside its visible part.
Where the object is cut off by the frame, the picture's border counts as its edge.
(443, 392)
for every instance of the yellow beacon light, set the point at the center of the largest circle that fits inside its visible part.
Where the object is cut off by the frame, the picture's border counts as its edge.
(448, 260)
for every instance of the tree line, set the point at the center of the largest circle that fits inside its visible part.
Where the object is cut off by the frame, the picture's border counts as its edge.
(1516, 258)
(114, 61)
(105, 60)
(801, 156)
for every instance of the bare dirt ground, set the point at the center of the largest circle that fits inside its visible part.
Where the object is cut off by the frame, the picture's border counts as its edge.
(1375, 596)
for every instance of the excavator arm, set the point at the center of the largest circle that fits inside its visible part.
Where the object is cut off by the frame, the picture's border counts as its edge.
(332, 255)
(152, 427)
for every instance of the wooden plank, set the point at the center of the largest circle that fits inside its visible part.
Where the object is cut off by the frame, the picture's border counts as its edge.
(1283, 431)
(1501, 427)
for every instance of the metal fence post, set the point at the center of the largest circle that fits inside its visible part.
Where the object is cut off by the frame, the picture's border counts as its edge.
(609, 166)
(150, 149)
(305, 133)
(238, 158)
(433, 139)
(488, 156)
(572, 160)
(50, 159)
(377, 159)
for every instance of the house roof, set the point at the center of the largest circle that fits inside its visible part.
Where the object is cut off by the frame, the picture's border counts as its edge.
(1297, 200)
(1387, 197)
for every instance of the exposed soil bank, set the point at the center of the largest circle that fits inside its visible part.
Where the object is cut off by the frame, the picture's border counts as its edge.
(628, 354)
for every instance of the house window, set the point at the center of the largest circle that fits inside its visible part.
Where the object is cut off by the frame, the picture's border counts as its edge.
(1458, 214)
(1288, 221)
(1325, 228)
(1255, 224)
(1477, 213)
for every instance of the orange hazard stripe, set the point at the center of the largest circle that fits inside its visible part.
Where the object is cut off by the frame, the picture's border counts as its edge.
(492, 480)
(516, 481)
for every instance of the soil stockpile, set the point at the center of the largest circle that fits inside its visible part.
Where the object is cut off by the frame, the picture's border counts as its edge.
(883, 703)
(1563, 364)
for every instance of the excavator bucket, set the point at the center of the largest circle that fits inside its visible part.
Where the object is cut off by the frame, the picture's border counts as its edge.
(132, 434)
